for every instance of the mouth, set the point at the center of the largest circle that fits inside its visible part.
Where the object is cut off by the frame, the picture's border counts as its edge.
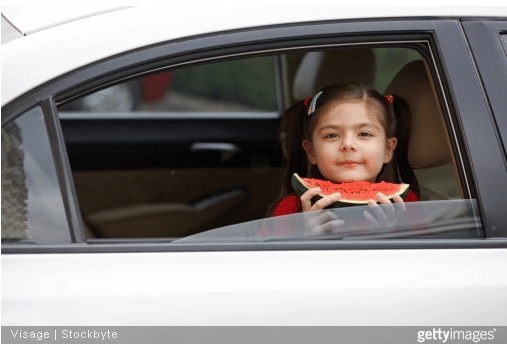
(349, 164)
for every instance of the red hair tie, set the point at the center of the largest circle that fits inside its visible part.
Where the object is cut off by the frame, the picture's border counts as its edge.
(390, 99)
(307, 100)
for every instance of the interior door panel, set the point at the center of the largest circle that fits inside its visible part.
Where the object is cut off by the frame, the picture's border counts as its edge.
(157, 184)
(173, 203)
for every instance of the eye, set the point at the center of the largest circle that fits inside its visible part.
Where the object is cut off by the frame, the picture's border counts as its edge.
(365, 134)
(331, 136)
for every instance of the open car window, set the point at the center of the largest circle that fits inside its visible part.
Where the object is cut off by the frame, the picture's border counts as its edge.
(161, 156)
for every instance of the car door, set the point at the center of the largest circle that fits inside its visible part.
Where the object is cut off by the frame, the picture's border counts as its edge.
(155, 281)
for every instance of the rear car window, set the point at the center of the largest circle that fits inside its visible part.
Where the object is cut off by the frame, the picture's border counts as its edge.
(201, 175)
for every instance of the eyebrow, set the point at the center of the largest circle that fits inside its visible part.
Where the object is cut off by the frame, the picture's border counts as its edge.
(359, 126)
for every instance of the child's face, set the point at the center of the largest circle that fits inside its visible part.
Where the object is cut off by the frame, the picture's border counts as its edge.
(349, 144)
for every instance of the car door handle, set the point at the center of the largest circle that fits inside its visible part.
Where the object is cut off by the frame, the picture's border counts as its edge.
(228, 149)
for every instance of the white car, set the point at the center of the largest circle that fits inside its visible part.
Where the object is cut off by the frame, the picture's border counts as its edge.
(139, 157)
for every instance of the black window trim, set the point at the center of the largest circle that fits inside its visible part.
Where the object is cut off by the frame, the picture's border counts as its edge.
(64, 172)
(60, 86)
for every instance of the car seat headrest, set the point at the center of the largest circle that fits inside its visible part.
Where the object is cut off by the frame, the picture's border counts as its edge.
(321, 68)
(428, 146)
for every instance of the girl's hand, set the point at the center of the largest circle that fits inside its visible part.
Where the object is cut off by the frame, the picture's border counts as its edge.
(323, 222)
(384, 218)
(306, 200)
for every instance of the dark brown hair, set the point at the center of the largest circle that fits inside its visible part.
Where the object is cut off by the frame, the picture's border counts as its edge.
(297, 126)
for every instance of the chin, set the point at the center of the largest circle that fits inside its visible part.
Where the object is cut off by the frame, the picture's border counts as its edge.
(350, 179)
(344, 180)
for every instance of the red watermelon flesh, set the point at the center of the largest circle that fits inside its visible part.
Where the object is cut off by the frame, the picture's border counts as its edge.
(358, 191)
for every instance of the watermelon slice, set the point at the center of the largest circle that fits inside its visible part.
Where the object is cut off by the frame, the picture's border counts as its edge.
(353, 193)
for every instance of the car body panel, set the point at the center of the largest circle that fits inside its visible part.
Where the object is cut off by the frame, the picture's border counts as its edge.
(363, 287)
(29, 20)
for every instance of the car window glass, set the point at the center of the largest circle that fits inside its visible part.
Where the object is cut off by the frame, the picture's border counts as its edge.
(389, 61)
(432, 219)
(174, 177)
(239, 86)
(32, 205)
(504, 38)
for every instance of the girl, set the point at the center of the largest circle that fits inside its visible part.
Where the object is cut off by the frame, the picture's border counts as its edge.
(348, 133)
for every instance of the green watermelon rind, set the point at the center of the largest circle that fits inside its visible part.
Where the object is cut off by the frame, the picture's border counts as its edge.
(301, 188)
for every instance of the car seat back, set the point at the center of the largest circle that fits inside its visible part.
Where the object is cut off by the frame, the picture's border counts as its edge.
(321, 68)
(428, 146)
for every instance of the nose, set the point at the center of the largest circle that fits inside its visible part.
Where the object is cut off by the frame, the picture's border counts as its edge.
(348, 144)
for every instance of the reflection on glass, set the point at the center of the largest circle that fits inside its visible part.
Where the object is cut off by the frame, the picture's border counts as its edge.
(423, 220)
(246, 85)
(388, 62)
(32, 205)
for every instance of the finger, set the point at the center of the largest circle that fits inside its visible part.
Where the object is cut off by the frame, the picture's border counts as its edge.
(332, 215)
(331, 226)
(379, 215)
(317, 222)
(382, 198)
(398, 199)
(388, 207)
(327, 216)
(402, 207)
(314, 230)
(373, 222)
(321, 218)
(324, 202)
(306, 198)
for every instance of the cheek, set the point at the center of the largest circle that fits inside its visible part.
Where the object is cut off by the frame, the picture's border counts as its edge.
(373, 157)
(324, 152)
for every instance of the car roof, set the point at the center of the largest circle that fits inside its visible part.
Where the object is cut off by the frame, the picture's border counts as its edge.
(28, 20)
(65, 39)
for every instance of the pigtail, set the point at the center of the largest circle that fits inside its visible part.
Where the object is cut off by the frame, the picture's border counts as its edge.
(291, 135)
(403, 116)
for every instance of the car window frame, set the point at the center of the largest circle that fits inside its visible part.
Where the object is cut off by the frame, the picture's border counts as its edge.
(281, 38)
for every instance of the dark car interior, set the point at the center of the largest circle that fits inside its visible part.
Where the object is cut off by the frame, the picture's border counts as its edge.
(201, 151)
